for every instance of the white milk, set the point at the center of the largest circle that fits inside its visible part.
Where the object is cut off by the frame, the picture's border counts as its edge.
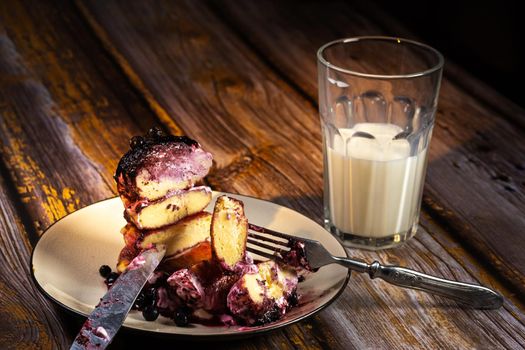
(375, 185)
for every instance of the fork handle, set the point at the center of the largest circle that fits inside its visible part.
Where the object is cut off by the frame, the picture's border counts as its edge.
(476, 296)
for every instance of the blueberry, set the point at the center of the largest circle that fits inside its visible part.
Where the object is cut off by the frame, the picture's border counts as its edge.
(139, 302)
(293, 299)
(181, 318)
(151, 292)
(112, 277)
(150, 313)
(136, 141)
(104, 271)
(270, 316)
(155, 133)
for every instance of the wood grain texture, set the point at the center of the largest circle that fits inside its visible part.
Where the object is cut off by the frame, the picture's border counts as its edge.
(65, 119)
(220, 92)
(28, 320)
(477, 155)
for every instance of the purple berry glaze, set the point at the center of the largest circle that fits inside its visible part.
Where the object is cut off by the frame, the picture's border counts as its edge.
(167, 303)
(227, 320)
(188, 287)
(156, 277)
(245, 266)
(136, 263)
(241, 304)
(217, 292)
(296, 256)
(177, 158)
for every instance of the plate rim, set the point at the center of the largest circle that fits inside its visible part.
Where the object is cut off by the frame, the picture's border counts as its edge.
(200, 337)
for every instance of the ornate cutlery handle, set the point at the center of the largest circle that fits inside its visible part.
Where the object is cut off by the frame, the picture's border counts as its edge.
(469, 294)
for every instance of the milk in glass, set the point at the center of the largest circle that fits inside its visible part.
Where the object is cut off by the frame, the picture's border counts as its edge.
(374, 182)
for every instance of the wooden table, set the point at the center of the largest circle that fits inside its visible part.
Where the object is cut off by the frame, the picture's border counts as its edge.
(78, 79)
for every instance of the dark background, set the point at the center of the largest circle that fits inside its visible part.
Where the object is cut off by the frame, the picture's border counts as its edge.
(484, 37)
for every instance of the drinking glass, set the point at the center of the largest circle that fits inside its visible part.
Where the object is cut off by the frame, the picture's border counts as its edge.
(377, 103)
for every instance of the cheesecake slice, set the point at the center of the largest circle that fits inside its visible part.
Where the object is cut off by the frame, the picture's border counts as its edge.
(187, 242)
(147, 215)
(178, 237)
(229, 230)
(158, 164)
(263, 296)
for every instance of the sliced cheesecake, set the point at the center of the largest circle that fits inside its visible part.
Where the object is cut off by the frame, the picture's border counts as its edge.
(263, 296)
(229, 230)
(158, 164)
(187, 242)
(147, 215)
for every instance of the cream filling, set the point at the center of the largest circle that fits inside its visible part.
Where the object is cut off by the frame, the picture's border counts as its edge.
(274, 278)
(255, 290)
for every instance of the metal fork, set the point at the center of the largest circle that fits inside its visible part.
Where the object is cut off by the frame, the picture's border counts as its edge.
(316, 255)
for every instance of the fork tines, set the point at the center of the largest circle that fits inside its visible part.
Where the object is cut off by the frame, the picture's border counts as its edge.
(267, 243)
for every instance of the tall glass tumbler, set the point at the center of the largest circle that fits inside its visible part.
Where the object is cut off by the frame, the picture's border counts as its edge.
(377, 102)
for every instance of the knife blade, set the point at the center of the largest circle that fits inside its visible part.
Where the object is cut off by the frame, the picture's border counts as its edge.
(104, 322)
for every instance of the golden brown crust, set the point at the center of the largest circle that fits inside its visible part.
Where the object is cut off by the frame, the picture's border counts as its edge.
(127, 254)
(189, 257)
(131, 235)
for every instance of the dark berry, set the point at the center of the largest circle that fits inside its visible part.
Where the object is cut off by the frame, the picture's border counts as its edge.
(270, 316)
(181, 318)
(104, 271)
(155, 133)
(150, 296)
(112, 277)
(139, 302)
(151, 292)
(293, 300)
(150, 313)
(136, 141)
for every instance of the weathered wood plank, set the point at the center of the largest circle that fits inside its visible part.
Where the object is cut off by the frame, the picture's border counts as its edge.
(222, 105)
(477, 157)
(27, 318)
(65, 119)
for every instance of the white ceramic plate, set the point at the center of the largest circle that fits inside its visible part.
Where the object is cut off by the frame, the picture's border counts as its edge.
(66, 260)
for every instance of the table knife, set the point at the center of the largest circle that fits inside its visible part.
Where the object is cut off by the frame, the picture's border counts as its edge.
(104, 322)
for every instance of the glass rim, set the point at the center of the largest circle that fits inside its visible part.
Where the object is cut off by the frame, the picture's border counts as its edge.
(432, 69)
